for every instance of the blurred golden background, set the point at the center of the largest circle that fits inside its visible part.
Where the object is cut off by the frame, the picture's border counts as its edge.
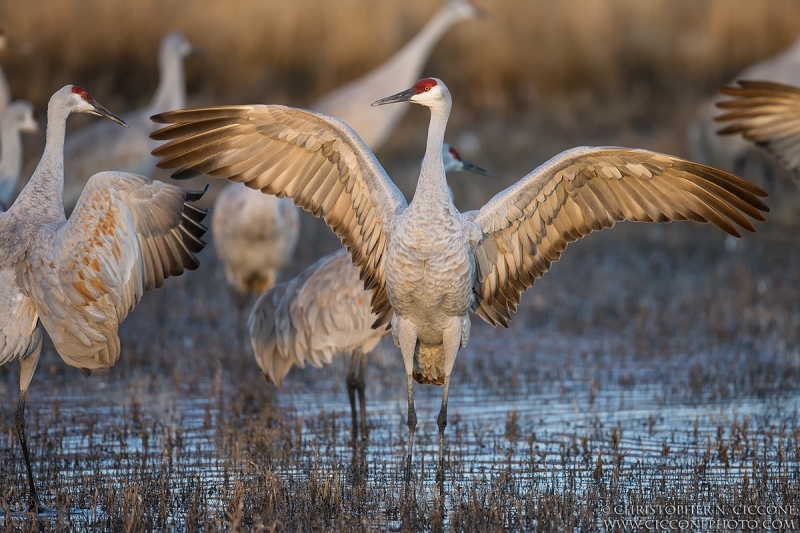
(277, 51)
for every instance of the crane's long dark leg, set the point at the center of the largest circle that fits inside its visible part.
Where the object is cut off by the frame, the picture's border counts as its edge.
(27, 368)
(361, 385)
(441, 421)
(451, 341)
(405, 335)
(412, 427)
(352, 384)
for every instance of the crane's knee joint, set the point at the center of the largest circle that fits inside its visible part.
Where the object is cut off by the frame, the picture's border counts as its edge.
(441, 421)
(412, 420)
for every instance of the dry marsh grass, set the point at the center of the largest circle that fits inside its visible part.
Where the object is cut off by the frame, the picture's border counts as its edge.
(272, 50)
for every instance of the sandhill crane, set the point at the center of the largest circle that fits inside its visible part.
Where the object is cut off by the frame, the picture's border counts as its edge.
(322, 312)
(427, 264)
(103, 146)
(351, 102)
(81, 277)
(732, 152)
(18, 117)
(767, 114)
(254, 236)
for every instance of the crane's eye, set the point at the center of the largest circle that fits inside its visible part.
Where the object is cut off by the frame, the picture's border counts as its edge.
(427, 87)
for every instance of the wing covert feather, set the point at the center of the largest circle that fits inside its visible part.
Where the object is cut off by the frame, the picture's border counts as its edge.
(126, 235)
(527, 226)
(767, 114)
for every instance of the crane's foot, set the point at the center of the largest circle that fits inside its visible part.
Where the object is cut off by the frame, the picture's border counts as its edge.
(36, 506)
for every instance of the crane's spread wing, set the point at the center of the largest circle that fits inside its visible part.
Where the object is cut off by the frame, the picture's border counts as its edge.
(527, 226)
(317, 161)
(20, 332)
(126, 235)
(767, 114)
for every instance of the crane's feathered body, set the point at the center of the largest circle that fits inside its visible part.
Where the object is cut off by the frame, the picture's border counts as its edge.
(254, 236)
(320, 313)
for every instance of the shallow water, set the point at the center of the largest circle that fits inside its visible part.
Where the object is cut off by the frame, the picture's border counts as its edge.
(534, 415)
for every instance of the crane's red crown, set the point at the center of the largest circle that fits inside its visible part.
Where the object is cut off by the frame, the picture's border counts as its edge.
(83, 93)
(425, 84)
(454, 153)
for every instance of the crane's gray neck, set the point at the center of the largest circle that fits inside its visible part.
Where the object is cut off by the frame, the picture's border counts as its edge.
(432, 184)
(45, 191)
(10, 160)
(5, 91)
(419, 48)
(171, 91)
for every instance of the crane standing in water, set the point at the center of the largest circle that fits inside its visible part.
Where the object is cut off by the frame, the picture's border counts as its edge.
(426, 263)
(322, 312)
(81, 277)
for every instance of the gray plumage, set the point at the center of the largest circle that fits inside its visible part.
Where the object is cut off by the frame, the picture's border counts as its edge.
(322, 312)
(425, 263)
(103, 146)
(81, 277)
(766, 114)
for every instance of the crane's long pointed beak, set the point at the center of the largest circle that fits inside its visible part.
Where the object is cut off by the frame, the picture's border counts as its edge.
(469, 167)
(403, 96)
(101, 111)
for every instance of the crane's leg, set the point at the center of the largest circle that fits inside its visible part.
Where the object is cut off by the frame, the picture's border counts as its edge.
(405, 335)
(27, 368)
(352, 383)
(361, 385)
(451, 340)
